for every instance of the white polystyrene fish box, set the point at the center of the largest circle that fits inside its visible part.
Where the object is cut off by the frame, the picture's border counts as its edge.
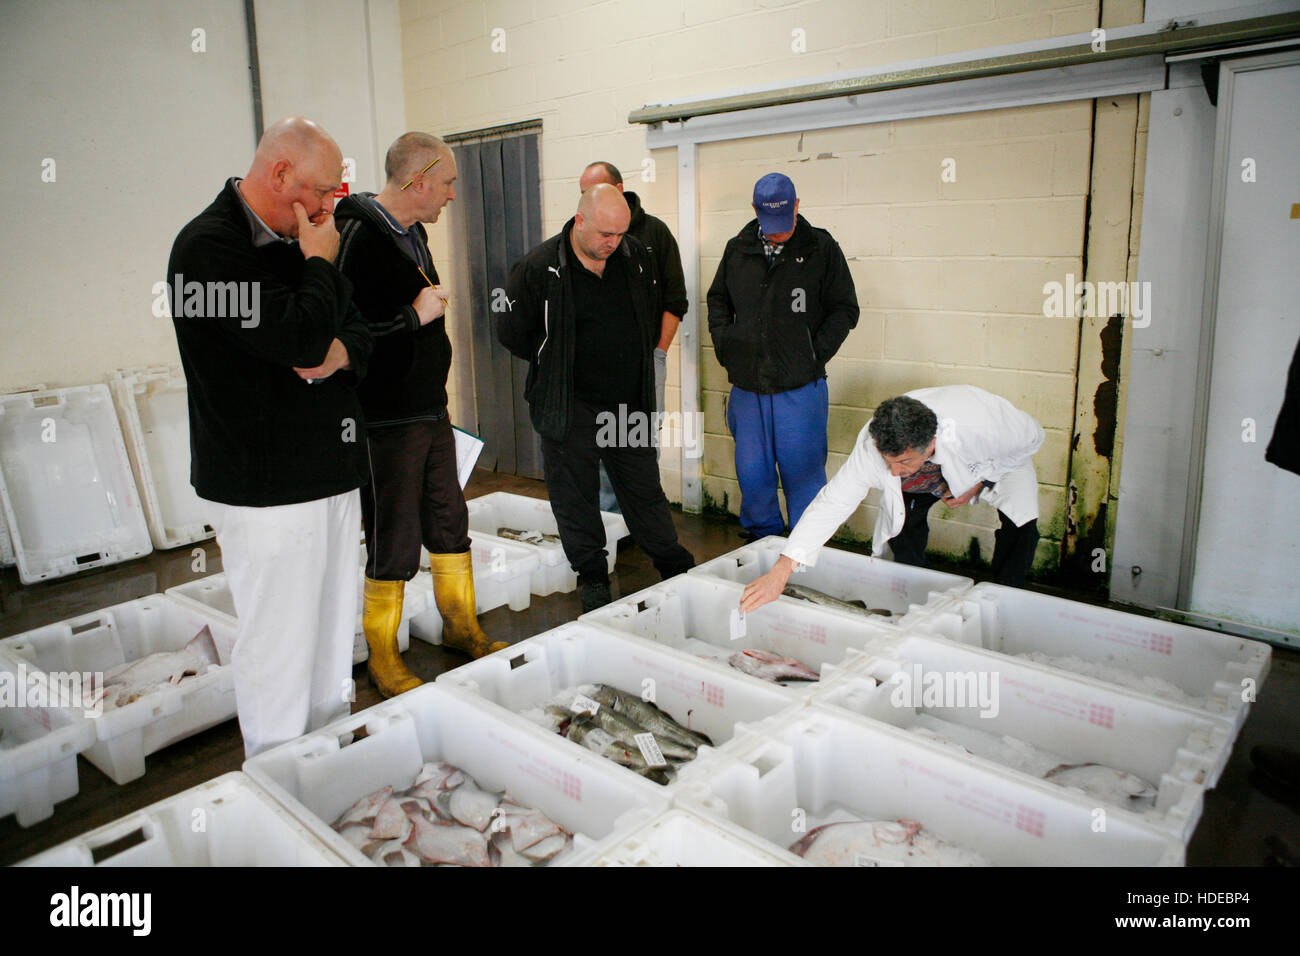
(1214, 674)
(70, 651)
(7, 556)
(844, 575)
(212, 596)
(38, 745)
(680, 838)
(66, 485)
(490, 513)
(153, 408)
(1034, 722)
(517, 683)
(320, 775)
(699, 615)
(791, 774)
(228, 821)
(503, 573)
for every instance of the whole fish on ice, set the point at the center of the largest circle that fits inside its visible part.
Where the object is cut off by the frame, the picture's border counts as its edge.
(649, 716)
(530, 536)
(127, 683)
(801, 592)
(583, 729)
(1102, 782)
(872, 842)
(771, 667)
(625, 731)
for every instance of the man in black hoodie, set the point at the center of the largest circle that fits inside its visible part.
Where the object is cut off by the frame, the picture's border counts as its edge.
(585, 314)
(414, 495)
(276, 430)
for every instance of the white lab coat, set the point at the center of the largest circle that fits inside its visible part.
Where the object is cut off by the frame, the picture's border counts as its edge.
(981, 437)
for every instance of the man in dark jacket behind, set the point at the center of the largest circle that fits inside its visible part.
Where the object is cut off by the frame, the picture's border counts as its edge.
(781, 304)
(414, 495)
(585, 313)
(272, 348)
(654, 234)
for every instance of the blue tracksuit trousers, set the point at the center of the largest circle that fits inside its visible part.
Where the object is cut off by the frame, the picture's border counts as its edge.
(785, 431)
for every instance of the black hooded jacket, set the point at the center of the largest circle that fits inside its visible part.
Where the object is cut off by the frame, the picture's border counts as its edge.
(407, 380)
(775, 327)
(540, 326)
(658, 239)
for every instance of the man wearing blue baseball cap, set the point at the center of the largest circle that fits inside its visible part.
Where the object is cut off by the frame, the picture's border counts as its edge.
(781, 304)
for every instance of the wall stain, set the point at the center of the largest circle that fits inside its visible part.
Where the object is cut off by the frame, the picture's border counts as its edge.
(1105, 402)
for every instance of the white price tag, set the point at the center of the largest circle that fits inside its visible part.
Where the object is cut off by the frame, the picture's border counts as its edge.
(737, 624)
(861, 859)
(583, 704)
(650, 749)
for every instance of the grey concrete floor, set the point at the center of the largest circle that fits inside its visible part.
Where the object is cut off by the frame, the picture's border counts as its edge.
(1239, 815)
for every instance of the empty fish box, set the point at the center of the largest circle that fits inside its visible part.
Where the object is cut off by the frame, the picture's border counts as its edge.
(680, 838)
(229, 821)
(699, 615)
(1215, 674)
(212, 596)
(66, 485)
(7, 556)
(38, 745)
(153, 409)
(490, 513)
(319, 776)
(882, 585)
(804, 769)
(95, 643)
(1079, 722)
(521, 679)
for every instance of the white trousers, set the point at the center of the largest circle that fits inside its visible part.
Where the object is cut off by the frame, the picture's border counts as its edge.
(292, 571)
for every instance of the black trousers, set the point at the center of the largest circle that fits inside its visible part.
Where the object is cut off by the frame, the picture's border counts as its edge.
(414, 497)
(572, 469)
(1013, 549)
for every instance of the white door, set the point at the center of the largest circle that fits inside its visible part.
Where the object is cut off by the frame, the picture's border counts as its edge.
(1247, 555)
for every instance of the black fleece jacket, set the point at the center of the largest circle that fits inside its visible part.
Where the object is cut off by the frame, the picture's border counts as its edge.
(259, 434)
(658, 239)
(407, 379)
(775, 327)
(540, 326)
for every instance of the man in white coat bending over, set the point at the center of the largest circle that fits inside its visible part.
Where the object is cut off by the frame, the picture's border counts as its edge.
(958, 444)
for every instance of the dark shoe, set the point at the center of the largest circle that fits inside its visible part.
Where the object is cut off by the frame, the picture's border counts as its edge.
(594, 594)
(1281, 765)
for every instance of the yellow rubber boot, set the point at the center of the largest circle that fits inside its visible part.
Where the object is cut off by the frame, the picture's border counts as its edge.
(453, 589)
(380, 620)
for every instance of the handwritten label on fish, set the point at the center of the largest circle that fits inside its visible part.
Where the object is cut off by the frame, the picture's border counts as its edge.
(737, 624)
(583, 704)
(650, 750)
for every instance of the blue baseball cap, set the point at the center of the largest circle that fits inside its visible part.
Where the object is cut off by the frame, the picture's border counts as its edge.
(774, 199)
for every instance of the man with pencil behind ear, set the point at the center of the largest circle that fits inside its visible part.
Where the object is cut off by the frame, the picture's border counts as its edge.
(414, 495)
(276, 429)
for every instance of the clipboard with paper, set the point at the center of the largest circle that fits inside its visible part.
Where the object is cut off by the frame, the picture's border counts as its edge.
(468, 448)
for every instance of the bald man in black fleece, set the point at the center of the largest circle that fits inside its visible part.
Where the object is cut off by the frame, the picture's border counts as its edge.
(276, 429)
